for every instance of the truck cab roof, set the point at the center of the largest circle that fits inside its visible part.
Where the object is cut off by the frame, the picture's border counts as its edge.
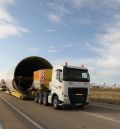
(70, 66)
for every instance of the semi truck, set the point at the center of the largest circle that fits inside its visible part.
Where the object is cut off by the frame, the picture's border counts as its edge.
(62, 85)
(36, 77)
(3, 85)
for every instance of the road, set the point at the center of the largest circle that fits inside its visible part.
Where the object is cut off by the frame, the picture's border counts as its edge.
(22, 114)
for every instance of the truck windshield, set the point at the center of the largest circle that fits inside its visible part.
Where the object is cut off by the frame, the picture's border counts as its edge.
(72, 74)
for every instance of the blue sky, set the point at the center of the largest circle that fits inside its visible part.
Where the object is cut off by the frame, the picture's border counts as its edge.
(78, 31)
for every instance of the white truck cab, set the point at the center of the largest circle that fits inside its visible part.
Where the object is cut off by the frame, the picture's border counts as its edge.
(69, 85)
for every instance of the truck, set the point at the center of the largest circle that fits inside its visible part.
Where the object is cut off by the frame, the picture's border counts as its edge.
(35, 77)
(3, 85)
(62, 85)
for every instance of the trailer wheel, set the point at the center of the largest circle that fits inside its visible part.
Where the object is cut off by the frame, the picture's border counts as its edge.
(21, 97)
(40, 101)
(56, 102)
(45, 99)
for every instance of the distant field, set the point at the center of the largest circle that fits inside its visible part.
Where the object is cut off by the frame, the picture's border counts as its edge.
(107, 95)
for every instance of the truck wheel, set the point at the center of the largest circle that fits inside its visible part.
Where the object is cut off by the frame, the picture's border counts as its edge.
(21, 97)
(56, 102)
(40, 101)
(36, 99)
(45, 99)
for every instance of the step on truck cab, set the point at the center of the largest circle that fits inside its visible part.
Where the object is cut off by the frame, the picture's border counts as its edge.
(62, 85)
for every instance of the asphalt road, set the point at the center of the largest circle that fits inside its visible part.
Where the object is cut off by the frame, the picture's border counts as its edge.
(22, 114)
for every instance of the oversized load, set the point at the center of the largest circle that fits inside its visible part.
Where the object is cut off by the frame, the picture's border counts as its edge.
(20, 78)
(58, 86)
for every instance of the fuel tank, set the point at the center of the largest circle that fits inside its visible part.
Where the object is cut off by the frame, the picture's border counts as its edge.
(20, 77)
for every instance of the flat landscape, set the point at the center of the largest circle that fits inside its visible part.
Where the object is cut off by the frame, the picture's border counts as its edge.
(23, 114)
(107, 95)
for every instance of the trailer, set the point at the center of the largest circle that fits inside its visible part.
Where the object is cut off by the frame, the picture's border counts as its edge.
(19, 79)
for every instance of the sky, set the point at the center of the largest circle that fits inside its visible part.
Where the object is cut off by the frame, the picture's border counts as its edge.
(77, 31)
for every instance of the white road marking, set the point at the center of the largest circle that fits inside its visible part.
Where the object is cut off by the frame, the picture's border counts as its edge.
(87, 113)
(102, 117)
(22, 114)
(105, 107)
(1, 126)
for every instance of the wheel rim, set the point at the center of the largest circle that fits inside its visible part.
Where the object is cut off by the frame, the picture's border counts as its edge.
(35, 99)
(44, 100)
(55, 103)
(39, 100)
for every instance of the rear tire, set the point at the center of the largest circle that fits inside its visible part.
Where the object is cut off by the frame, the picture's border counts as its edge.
(56, 103)
(40, 99)
(45, 99)
(36, 99)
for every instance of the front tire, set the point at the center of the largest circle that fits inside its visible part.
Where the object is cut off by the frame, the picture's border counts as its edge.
(56, 102)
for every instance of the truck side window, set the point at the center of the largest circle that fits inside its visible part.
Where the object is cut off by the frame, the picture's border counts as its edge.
(59, 74)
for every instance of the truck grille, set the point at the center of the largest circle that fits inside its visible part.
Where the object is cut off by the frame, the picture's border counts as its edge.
(77, 95)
